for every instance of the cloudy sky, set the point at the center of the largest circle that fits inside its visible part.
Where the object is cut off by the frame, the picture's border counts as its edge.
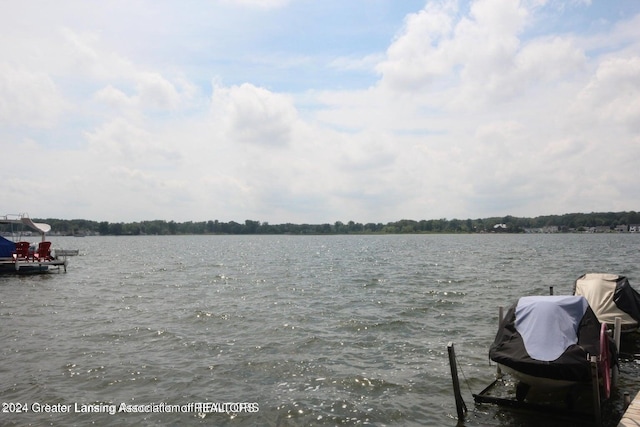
(310, 111)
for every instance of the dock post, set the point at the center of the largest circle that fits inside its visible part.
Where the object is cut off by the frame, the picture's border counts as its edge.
(617, 329)
(627, 400)
(460, 405)
(615, 371)
(500, 315)
(595, 386)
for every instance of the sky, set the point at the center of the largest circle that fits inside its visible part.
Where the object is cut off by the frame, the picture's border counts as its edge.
(307, 111)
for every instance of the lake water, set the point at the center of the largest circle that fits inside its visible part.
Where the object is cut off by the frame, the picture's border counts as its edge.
(293, 330)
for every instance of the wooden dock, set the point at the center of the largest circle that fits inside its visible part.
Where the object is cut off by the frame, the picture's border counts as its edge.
(631, 417)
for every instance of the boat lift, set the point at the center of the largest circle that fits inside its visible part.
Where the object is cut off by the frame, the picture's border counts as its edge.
(485, 396)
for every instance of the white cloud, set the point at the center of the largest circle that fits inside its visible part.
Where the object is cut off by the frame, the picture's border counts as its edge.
(127, 142)
(114, 98)
(28, 98)
(549, 59)
(613, 94)
(255, 115)
(479, 110)
(476, 59)
(414, 59)
(157, 92)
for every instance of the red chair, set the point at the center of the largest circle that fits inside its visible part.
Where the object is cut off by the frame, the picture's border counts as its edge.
(22, 251)
(43, 252)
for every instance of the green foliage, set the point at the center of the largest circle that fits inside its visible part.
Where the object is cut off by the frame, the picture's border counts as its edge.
(565, 223)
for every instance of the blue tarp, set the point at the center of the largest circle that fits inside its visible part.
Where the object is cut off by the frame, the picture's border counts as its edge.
(7, 247)
(549, 324)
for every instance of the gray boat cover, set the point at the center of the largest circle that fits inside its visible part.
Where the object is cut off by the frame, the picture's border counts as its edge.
(549, 324)
(549, 337)
(610, 296)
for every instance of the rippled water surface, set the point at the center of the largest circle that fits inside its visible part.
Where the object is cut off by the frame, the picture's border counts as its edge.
(313, 330)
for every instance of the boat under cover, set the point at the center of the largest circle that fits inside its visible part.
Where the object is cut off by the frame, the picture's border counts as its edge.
(546, 340)
(7, 248)
(610, 296)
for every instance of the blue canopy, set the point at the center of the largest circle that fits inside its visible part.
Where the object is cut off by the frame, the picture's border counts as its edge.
(7, 248)
(549, 324)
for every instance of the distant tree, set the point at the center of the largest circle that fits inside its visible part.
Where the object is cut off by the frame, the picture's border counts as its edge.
(103, 228)
(251, 227)
(116, 228)
(370, 227)
(566, 222)
(390, 229)
(454, 226)
(469, 225)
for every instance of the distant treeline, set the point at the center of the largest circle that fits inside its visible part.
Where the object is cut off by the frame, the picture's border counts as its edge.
(508, 224)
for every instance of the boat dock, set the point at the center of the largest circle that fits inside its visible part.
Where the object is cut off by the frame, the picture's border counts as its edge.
(631, 417)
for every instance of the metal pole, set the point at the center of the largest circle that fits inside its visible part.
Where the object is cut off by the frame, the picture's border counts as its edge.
(460, 405)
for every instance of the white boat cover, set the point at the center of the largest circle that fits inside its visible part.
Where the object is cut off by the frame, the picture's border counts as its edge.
(549, 324)
(610, 296)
